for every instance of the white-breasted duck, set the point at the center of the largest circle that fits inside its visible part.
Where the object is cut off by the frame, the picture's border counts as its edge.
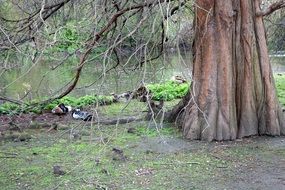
(78, 114)
(61, 109)
(127, 95)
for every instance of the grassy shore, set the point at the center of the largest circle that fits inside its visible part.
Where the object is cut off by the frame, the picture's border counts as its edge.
(138, 155)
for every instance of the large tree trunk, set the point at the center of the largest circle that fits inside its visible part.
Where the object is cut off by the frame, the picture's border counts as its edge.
(233, 92)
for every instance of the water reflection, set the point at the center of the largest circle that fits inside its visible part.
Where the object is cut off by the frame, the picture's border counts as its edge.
(41, 81)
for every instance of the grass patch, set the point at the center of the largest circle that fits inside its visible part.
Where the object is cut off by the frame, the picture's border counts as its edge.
(91, 163)
(280, 86)
(123, 109)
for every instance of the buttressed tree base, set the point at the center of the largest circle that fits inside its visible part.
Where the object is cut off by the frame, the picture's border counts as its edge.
(233, 92)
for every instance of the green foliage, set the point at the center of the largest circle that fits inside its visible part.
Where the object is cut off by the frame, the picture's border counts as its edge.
(10, 108)
(88, 100)
(6, 108)
(8, 10)
(82, 101)
(69, 39)
(168, 91)
(280, 86)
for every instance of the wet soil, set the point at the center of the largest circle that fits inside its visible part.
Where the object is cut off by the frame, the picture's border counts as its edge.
(25, 120)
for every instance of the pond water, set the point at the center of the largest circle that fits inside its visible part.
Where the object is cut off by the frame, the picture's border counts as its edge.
(40, 80)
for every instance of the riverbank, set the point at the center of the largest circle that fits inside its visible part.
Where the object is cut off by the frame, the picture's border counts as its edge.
(135, 155)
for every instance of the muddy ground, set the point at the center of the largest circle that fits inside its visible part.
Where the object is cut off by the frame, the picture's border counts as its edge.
(137, 155)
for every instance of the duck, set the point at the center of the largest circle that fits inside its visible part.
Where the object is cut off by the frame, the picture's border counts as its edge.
(83, 115)
(61, 109)
(126, 95)
(178, 79)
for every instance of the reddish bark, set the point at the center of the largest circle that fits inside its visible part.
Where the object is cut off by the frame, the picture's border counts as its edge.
(233, 92)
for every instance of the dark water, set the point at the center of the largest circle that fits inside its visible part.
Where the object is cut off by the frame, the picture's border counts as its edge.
(39, 80)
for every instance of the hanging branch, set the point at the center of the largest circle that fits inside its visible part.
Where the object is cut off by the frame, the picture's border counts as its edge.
(273, 7)
(29, 25)
(94, 40)
(11, 100)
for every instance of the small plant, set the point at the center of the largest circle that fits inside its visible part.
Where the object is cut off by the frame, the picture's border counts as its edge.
(7, 108)
(168, 91)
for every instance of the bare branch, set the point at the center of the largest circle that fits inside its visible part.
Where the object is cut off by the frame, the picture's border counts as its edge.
(11, 100)
(273, 7)
(30, 25)
(92, 42)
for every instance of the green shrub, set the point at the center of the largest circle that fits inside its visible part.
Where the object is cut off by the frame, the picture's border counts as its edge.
(81, 101)
(168, 91)
(10, 108)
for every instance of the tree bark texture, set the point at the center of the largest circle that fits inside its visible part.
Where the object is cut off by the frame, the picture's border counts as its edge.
(233, 92)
